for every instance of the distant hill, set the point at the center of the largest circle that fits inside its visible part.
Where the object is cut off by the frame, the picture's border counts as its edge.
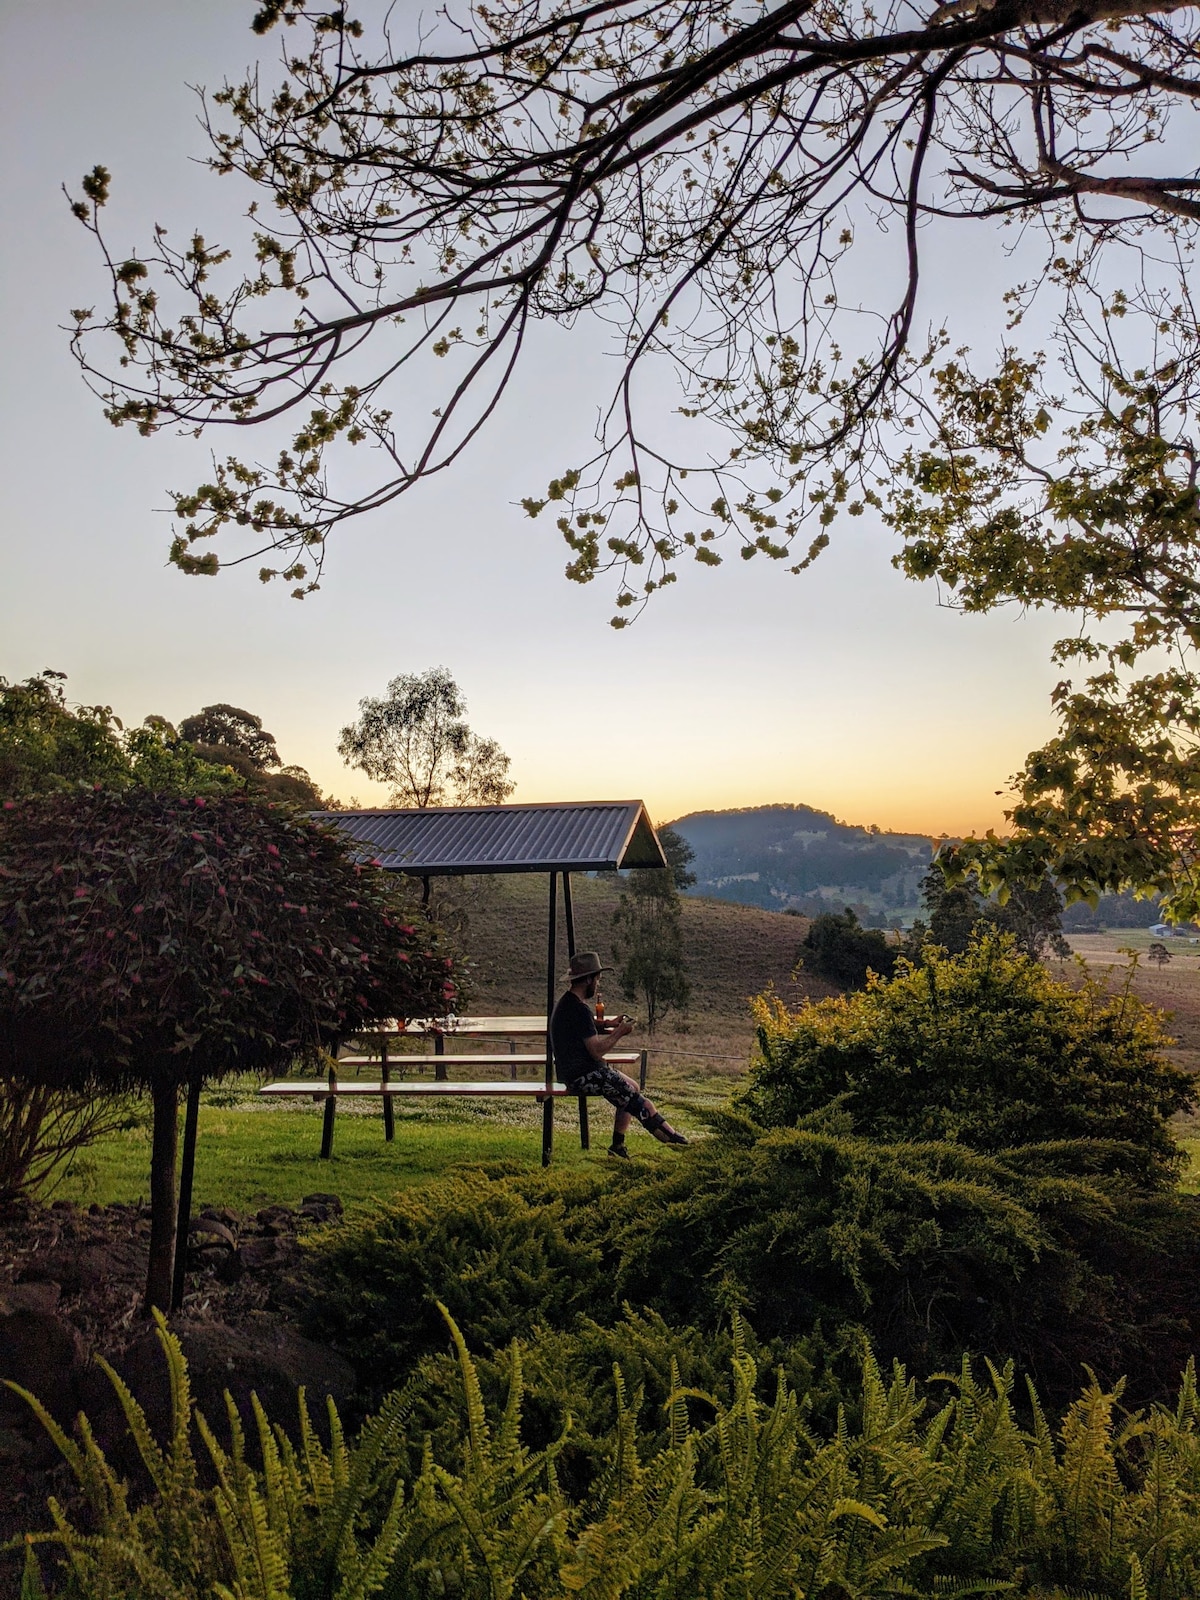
(791, 857)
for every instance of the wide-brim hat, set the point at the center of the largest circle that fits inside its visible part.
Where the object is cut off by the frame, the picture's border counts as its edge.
(585, 965)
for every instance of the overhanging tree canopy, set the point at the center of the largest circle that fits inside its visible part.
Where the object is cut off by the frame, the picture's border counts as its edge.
(702, 173)
(708, 176)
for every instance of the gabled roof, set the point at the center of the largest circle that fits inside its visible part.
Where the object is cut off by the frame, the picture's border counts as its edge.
(580, 836)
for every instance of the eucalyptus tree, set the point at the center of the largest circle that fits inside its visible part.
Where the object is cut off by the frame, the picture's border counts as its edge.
(416, 739)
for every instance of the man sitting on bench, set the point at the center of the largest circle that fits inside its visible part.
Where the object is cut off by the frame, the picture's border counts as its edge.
(579, 1051)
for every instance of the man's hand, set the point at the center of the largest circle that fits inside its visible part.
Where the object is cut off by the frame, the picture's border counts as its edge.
(613, 1029)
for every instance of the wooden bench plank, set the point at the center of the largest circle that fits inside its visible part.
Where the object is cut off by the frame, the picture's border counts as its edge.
(624, 1058)
(357, 1089)
(424, 1028)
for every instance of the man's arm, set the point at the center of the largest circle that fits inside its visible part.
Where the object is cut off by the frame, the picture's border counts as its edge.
(600, 1044)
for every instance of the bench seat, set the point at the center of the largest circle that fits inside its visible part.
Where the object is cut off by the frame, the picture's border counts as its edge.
(626, 1058)
(333, 1088)
(356, 1088)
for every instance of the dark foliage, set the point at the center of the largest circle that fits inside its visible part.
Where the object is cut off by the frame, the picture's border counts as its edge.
(838, 948)
(232, 729)
(142, 935)
(818, 1235)
(288, 786)
(149, 940)
(1032, 914)
(1034, 1254)
(227, 736)
(972, 1156)
(503, 1251)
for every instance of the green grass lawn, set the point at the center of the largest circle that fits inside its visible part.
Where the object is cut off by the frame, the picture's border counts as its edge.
(249, 1154)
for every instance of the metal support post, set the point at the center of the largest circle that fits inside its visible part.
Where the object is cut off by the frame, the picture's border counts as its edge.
(642, 1071)
(569, 911)
(183, 1214)
(551, 953)
(389, 1105)
(439, 1049)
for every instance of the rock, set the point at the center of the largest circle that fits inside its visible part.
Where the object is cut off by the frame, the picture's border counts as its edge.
(262, 1356)
(41, 1351)
(82, 1267)
(259, 1255)
(230, 1267)
(276, 1219)
(221, 1214)
(208, 1258)
(41, 1267)
(39, 1297)
(212, 1231)
(321, 1207)
(255, 1254)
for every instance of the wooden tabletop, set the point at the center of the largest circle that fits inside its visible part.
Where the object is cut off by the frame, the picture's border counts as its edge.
(424, 1027)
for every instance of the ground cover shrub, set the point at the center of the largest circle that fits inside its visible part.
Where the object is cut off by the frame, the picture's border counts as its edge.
(1007, 1187)
(1041, 1255)
(985, 1048)
(817, 1234)
(501, 1248)
(743, 1497)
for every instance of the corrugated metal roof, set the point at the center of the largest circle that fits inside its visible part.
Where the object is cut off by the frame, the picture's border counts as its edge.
(582, 836)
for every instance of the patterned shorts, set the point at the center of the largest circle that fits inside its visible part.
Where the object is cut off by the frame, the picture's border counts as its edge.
(616, 1089)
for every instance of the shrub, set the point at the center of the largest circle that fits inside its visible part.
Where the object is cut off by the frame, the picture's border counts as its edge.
(747, 1499)
(815, 1233)
(839, 949)
(147, 941)
(42, 1129)
(986, 1049)
(502, 1250)
(1040, 1254)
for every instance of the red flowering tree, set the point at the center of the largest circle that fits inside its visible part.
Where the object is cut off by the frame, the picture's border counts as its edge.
(152, 941)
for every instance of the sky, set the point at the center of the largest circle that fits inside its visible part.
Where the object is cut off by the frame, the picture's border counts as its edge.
(845, 688)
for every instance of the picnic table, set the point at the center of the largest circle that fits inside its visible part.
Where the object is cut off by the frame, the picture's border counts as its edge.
(387, 1088)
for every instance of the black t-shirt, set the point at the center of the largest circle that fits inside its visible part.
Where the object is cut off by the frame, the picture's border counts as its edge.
(571, 1024)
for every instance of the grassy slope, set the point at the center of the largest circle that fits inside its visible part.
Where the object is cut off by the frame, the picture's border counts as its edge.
(250, 1153)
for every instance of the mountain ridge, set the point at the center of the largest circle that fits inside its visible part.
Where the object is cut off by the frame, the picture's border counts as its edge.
(788, 856)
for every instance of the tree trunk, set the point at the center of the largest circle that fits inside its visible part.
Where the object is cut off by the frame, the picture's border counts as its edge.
(165, 1097)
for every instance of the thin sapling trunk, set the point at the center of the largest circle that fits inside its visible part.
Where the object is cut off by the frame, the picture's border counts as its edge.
(164, 1149)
